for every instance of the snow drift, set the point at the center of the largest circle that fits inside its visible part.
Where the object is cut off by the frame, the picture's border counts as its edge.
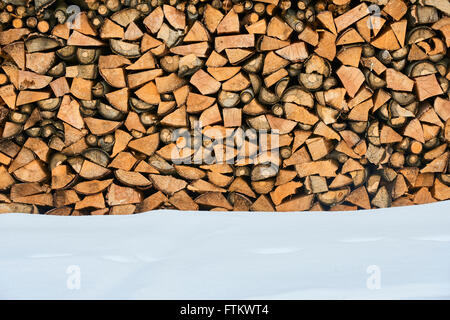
(396, 253)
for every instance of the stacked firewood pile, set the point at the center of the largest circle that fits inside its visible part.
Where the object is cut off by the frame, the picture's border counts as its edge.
(125, 106)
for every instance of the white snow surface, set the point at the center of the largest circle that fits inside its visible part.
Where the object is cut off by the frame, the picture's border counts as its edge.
(210, 255)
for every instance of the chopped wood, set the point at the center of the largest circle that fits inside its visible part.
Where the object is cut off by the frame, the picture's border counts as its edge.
(79, 39)
(262, 204)
(396, 9)
(171, 105)
(396, 80)
(93, 186)
(387, 40)
(294, 52)
(352, 78)
(205, 83)
(284, 191)
(213, 199)
(152, 202)
(9, 96)
(182, 201)
(167, 184)
(427, 86)
(234, 41)
(301, 203)
(351, 16)
(100, 126)
(118, 195)
(35, 171)
(95, 201)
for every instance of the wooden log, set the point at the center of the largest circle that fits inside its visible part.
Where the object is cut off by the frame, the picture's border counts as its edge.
(297, 204)
(118, 195)
(235, 41)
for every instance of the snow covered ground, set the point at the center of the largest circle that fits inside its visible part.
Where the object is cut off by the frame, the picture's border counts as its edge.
(399, 253)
